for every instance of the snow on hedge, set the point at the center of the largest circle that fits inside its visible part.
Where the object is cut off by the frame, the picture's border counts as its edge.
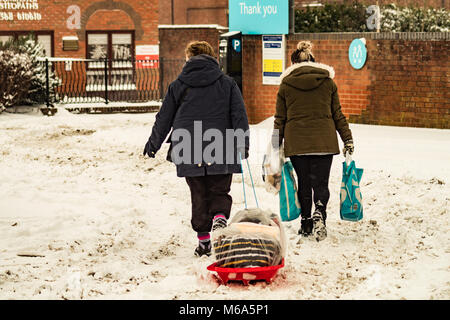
(405, 19)
(15, 77)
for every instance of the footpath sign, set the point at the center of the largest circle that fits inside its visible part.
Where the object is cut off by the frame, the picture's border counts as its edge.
(259, 16)
(273, 55)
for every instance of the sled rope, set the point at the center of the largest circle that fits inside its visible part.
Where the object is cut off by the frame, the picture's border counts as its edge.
(243, 182)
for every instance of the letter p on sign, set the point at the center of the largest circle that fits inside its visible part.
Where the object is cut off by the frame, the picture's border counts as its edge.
(237, 45)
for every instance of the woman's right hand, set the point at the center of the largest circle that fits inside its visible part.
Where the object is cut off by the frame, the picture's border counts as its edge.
(277, 141)
(148, 150)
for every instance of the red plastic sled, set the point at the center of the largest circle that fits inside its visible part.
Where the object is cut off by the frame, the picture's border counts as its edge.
(246, 274)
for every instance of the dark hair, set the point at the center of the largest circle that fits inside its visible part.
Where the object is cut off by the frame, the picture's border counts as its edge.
(194, 48)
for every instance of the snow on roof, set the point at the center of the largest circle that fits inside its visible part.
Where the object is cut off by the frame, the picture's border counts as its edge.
(229, 34)
(63, 59)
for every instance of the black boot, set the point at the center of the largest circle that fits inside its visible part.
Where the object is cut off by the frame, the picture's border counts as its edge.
(204, 248)
(306, 227)
(319, 225)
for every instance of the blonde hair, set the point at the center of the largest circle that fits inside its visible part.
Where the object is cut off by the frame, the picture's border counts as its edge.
(194, 48)
(303, 52)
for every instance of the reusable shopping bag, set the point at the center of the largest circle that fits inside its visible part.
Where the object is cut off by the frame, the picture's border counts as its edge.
(351, 199)
(289, 204)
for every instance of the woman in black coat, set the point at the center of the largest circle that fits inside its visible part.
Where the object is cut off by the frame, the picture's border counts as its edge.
(205, 111)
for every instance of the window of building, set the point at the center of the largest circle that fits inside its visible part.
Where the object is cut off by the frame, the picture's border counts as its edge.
(118, 47)
(5, 38)
(46, 41)
(44, 37)
(122, 46)
(97, 48)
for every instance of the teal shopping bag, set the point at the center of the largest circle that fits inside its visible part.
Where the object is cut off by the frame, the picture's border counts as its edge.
(289, 205)
(351, 199)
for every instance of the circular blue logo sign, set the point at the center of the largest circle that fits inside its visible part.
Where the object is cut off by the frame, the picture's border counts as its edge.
(357, 54)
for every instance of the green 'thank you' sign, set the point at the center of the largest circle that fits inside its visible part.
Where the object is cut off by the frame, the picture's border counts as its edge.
(259, 16)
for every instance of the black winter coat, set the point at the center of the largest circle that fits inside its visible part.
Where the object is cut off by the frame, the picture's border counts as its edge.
(202, 92)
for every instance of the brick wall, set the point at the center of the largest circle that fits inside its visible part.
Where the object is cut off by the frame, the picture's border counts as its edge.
(194, 12)
(173, 41)
(405, 80)
(415, 3)
(410, 86)
(140, 16)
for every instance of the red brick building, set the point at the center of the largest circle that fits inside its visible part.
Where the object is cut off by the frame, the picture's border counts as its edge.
(83, 28)
(193, 12)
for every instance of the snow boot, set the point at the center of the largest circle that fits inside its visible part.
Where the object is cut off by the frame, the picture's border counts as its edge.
(306, 227)
(319, 225)
(202, 250)
(204, 245)
(219, 222)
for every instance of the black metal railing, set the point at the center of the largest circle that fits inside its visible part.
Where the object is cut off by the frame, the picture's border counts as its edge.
(87, 81)
(169, 71)
(73, 81)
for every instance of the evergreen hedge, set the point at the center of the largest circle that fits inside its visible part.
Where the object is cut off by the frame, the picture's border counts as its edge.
(15, 78)
(352, 17)
(36, 90)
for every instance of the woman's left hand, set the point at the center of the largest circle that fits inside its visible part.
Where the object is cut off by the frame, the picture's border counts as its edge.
(348, 147)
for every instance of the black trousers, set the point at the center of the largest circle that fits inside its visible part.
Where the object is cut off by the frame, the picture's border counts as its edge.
(313, 174)
(209, 196)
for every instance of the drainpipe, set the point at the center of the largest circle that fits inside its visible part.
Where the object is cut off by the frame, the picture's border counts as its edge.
(171, 11)
(291, 17)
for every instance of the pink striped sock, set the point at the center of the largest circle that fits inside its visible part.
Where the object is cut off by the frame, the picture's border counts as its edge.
(203, 237)
(219, 216)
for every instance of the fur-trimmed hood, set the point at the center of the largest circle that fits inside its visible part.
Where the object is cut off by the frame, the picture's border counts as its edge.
(307, 75)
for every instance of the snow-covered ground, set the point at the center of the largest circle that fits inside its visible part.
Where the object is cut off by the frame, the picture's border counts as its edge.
(103, 222)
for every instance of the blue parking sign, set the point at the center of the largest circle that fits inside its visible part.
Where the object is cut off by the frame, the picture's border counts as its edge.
(357, 53)
(237, 45)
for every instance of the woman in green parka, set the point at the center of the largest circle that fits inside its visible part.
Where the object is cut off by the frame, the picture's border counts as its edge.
(308, 114)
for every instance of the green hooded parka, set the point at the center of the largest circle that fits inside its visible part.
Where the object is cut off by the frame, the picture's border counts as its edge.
(308, 111)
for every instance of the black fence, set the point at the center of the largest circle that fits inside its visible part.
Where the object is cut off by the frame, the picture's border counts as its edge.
(74, 81)
(169, 70)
